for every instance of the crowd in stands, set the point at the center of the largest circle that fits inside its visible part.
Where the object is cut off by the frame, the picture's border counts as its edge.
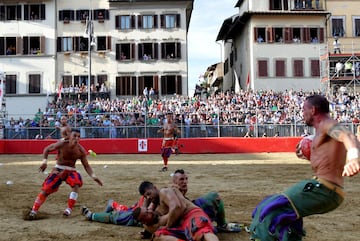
(244, 108)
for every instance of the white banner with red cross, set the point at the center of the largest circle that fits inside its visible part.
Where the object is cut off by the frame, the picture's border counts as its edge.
(142, 145)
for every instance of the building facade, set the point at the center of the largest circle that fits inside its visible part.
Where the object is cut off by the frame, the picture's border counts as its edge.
(343, 47)
(275, 44)
(89, 49)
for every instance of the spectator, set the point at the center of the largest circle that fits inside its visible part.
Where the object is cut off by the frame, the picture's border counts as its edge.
(336, 45)
(339, 67)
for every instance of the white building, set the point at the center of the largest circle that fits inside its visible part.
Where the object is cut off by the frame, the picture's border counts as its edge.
(134, 44)
(274, 45)
(27, 54)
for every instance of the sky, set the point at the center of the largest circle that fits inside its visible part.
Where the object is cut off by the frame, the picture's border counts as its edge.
(205, 23)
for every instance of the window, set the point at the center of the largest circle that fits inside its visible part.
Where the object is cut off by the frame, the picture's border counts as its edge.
(337, 26)
(125, 85)
(289, 35)
(150, 81)
(81, 44)
(101, 15)
(298, 68)
(280, 68)
(82, 14)
(34, 83)
(10, 12)
(65, 44)
(279, 5)
(171, 50)
(66, 16)
(356, 28)
(125, 51)
(148, 51)
(171, 85)
(67, 81)
(316, 35)
(10, 45)
(278, 33)
(80, 80)
(103, 43)
(147, 21)
(124, 22)
(263, 68)
(33, 45)
(315, 67)
(226, 66)
(34, 12)
(170, 21)
(295, 35)
(102, 79)
(260, 35)
(10, 84)
(231, 58)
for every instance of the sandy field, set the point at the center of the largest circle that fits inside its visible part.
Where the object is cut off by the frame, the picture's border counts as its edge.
(242, 180)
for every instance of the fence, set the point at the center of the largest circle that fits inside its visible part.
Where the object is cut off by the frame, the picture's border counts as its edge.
(192, 131)
(139, 125)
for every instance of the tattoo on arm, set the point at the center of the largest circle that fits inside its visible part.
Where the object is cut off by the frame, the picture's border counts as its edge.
(336, 130)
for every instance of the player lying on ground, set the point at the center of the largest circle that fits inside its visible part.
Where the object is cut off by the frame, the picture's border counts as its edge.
(177, 218)
(119, 214)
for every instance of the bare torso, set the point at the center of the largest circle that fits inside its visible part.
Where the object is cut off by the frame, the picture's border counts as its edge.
(328, 158)
(68, 154)
(170, 194)
(169, 130)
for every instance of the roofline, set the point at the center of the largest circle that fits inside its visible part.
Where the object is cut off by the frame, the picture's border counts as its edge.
(227, 26)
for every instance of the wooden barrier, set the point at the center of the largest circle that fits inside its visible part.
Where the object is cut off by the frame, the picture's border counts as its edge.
(152, 146)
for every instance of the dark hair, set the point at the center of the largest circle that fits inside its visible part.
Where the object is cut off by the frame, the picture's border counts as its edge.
(181, 171)
(136, 213)
(320, 103)
(75, 130)
(144, 186)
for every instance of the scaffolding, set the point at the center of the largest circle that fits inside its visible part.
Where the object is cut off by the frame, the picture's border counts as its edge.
(346, 79)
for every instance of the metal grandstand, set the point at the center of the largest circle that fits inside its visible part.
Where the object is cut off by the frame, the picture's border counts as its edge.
(344, 81)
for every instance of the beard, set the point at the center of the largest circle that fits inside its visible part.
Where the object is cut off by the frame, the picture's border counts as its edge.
(309, 122)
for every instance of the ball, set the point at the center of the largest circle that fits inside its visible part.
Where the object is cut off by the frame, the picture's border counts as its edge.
(304, 147)
(92, 153)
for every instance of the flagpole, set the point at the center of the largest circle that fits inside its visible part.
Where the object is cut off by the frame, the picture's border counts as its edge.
(1, 89)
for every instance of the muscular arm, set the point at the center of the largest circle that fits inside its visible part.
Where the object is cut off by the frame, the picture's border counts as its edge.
(88, 168)
(351, 144)
(343, 135)
(52, 147)
(46, 151)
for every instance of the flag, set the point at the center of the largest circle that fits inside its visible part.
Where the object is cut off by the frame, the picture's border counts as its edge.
(237, 84)
(1, 88)
(248, 81)
(1, 92)
(48, 91)
(59, 90)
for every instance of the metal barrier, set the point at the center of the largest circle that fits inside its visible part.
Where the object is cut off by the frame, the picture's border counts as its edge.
(191, 131)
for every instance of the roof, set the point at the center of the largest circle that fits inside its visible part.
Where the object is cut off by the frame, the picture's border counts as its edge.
(134, 1)
(233, 25)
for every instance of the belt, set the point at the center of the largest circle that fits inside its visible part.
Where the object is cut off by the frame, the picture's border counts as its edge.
(65, 167)
(339, 190)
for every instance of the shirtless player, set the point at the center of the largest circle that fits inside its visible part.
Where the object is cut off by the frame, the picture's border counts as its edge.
(68, 153)
(170, 131)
